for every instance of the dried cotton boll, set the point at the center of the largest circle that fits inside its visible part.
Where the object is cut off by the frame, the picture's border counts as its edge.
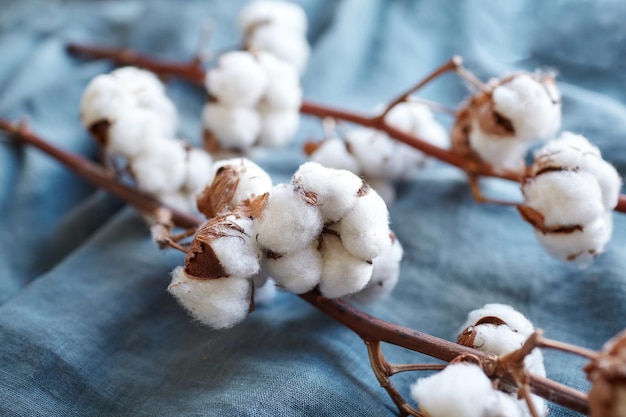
(235, 127)
(532, 103)
(332, 153)
(161, 169)
(275, 39)
(385, 274)
(297, 272)
(271, 12)
(218, 303)
(336, 190)
(278, 127)
(460, 390)
(579, 246)
(364, 230)
(238, 80)
(564, 198)
(342, 273)
(289, 222)
(283, 90)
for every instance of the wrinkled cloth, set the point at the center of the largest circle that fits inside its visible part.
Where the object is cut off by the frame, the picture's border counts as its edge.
(86, 325)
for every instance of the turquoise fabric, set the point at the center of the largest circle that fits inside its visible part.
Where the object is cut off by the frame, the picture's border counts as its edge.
(86, 325)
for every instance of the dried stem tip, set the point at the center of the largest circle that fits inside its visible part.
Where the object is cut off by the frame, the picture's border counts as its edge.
(607, 373)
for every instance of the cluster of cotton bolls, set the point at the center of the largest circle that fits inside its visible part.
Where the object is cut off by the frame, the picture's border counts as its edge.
(129, 113)
(378, 158)
(324, 229)
(570, 193)
(278, 27)
(255, 101)
(463, 390)
(499, 125)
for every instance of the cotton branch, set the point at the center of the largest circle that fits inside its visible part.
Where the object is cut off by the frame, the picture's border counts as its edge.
(193, 72)
(372, 330)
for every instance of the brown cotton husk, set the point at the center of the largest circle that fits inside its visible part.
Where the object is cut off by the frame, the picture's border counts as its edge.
(217, 198)
(536, 219)
(100, 132)
(210, 142)
(468, 335)
(201, 261)
(607, 373)
(310, 147)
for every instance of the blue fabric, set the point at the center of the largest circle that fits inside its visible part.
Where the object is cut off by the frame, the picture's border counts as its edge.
(86, 326)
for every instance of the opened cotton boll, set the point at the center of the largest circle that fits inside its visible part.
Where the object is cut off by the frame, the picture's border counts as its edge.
(278, 127)
(297, 272)
(102, 100)
(235, 127)
(336, 190)
(199, 170)
(385, 274)
(364, 230)
(236, 249)
(133, 132)
(238, 80)
(283, 90)
(333, 153)
(289, 221)
(293, 50)
(161, 169)
(417, 119)
(460, 390)
(273, 12)
(342, 273)
(218, 303)
(375, 152)
(231, 183)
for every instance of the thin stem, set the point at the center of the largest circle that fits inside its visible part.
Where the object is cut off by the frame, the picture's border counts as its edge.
(566, 347)
(366, 326)
(397, 368)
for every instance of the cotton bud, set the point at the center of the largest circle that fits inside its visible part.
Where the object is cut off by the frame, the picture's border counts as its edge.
(238, 80)
(272, 12)
(499, 125)
(219, 303)
(364, 229)
(333, 153)
(607, 373)
(232, 182)
(161, 168)
(500, 329)
(235, 127)
(336, 190)
(342, 272)
(289, 221)
(569, 195)
(299, 271)
(460, 390)
(385, 274)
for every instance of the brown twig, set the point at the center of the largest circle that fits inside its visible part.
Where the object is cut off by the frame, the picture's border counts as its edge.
(369, 328)
(191, 71)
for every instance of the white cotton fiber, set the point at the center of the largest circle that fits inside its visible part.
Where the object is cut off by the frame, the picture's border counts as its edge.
(199, 170)
(278, 127)
(375, 153)
(283, 90)
(336, 190)
(364, 229)
(234, 127)
(238, 252)
(253, 181)
(294, 50)
(288, 223)
(332, 153)
(133, 132)
(580, 247)
(161, 169)
(273, 12)
(342, 273)
(219, 303)
(532, 105)
(501, 152)
(565, 198)
(460, 390)
(178, 200)
(238, 80)
(299, 271)
(385, 274)
(417, 119)
(513, 318)
(102, 100)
